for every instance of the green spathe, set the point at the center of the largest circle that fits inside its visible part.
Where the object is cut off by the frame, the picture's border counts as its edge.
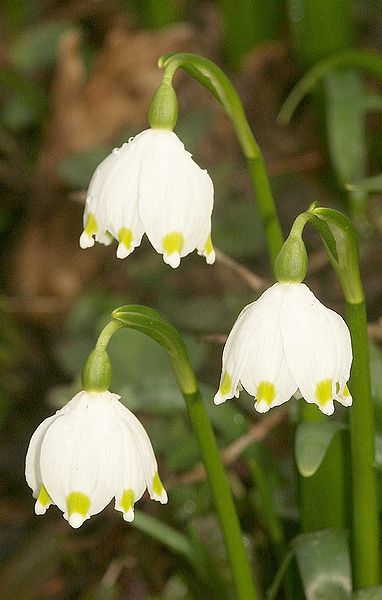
(292, 261)
(163, 111)
(96, 373)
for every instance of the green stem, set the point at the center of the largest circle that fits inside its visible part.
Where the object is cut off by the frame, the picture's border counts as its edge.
(248, 24)
(96, 373)
(371, 62)
(326, 487)
(365, 531)
(320, 28)
(155, 13)
(272, 592)
(106, 334)
(270, 515)
(266, 205)
(239, 23)
(216, 82)
(221, 492)
(365, 518)
(148, 321)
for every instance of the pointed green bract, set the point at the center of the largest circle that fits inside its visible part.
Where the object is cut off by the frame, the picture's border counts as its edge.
(96, 372)
(163, 111)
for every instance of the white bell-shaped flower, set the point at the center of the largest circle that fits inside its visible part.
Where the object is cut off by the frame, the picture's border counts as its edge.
(90, 451)
(151, 184)
(287, 343)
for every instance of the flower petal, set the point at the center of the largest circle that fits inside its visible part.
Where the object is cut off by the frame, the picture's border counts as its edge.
(317, 346)
(132, 481)
(79, 456)
(254, 356)
(32, 461)
(175, 196)
(145, 450)
(112, 201)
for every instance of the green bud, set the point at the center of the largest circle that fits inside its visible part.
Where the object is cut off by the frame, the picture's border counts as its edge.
(292, 261)
(96, 373)
(163, 111)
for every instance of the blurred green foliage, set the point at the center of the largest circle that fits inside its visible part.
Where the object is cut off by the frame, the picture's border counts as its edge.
(174, 552)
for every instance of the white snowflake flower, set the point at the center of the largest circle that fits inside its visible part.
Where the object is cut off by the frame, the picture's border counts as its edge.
(151, 184)
(287, 343)
(90, 451)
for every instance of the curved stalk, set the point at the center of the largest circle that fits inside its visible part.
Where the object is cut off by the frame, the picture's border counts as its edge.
(150, 322)
(213, 79)
(365, 516)
(222, 496)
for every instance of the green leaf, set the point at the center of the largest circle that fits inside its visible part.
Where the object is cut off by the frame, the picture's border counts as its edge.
(27, 101)
(347, 264)
(192, 128)
(372, 102)
(376, 374)
(191, 501)
(370, 61)
(213, 79)
(16, 15)
(17, 115)
(150, 322)
(368, 184)
(183, 450)
(267, 504)
(324, 563)
(192, 550)
(327, 236)
(273, 590)
(375, 355)
(169, 537)
(239, 216)
(369, 594)
(76, 170)
(36, 559)
(212, 564)
(312, 442)
(229, 420)
(105, 591)
(346, 124)
(37, 47)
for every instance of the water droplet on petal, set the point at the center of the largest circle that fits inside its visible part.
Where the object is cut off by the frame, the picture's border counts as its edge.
(115, 150)
(131, 139)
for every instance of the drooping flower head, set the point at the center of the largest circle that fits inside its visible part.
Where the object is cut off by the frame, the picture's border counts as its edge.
(287, 342)
(151, 185)
(92, 450)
